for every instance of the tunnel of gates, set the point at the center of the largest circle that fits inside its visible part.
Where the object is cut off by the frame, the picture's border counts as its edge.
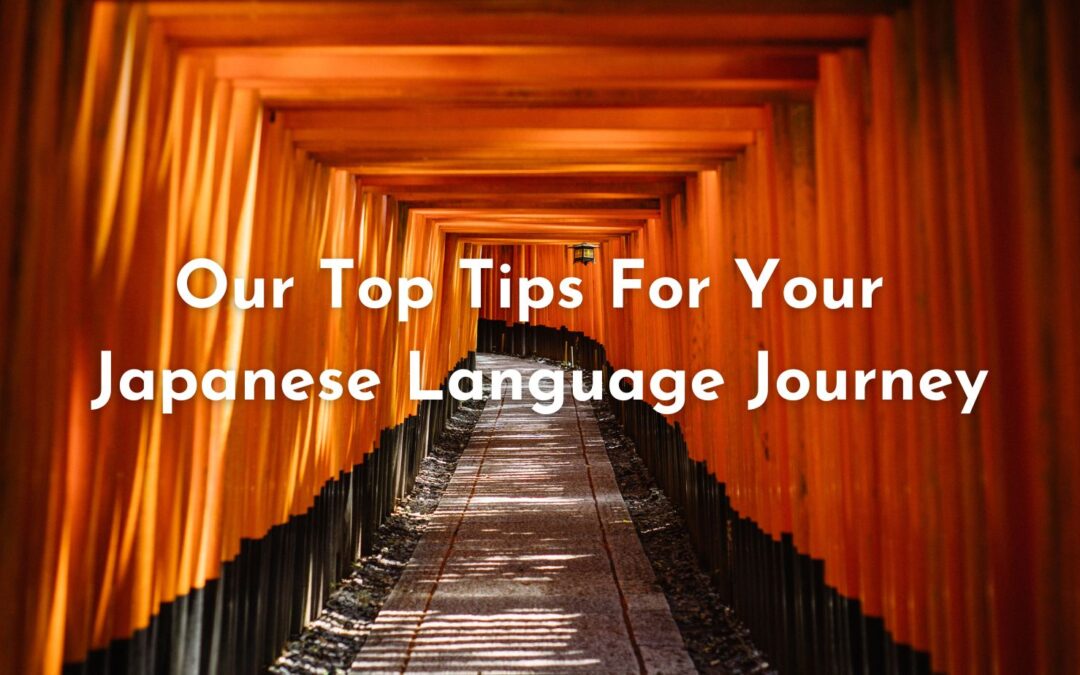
(932, 144)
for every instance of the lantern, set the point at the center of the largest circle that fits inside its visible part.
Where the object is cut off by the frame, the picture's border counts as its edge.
(584, 253)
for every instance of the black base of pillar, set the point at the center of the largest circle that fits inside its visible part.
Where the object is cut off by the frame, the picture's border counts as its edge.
(239, 622)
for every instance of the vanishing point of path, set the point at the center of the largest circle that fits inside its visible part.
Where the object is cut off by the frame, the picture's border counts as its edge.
(531, 561)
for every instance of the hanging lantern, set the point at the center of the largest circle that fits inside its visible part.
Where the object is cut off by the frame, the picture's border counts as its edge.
(584, 253)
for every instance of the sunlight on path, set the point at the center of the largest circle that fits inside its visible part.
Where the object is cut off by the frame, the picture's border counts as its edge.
(531, 561)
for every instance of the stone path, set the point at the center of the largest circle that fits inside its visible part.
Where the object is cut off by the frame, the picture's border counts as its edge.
(531, 562)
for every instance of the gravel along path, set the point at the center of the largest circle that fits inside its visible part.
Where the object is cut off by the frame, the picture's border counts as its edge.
(331, 642)
(715, 639)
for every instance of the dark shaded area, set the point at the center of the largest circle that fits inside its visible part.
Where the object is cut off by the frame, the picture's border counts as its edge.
(801, 622)
(239, 621)
(331, 642)
(714, 637)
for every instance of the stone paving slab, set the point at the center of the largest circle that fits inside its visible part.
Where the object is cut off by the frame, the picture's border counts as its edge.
(531, 562)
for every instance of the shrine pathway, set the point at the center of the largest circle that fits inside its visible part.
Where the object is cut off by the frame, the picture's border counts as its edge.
(531, 561)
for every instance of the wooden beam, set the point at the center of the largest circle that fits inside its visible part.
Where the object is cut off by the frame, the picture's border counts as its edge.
(419, 186)
(450, 118)
(513, 64)
(245, 28)
(514, 167)
(436, 142)
(534, 203)
(297, 94)
(572, 8)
